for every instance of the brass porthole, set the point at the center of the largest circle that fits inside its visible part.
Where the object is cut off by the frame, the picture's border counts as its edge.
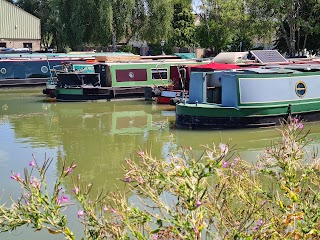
(44, 69)
(301, 89)
(3, 70)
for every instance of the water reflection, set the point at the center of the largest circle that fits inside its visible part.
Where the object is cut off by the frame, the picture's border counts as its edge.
(99, 136)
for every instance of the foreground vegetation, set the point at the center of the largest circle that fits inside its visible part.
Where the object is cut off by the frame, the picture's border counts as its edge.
(215, 196)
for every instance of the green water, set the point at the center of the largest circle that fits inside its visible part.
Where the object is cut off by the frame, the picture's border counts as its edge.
(98, 137)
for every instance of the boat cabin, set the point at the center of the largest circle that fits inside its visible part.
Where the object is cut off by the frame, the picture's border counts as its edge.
(239, 87)
(76, 79)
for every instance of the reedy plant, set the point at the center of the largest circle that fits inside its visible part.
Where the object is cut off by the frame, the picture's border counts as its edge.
(37, 206)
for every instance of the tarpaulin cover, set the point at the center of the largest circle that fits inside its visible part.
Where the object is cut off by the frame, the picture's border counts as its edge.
(217, 66)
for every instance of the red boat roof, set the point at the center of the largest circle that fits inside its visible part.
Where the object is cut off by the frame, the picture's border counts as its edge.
(217, 66)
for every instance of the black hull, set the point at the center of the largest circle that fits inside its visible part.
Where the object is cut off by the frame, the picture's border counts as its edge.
(23, 82)
(81, 98)
(196, 122)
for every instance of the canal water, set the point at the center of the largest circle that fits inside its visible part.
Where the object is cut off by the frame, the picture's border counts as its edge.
(98, 137)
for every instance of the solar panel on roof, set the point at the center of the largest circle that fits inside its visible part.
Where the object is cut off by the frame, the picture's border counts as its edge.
(268, 56)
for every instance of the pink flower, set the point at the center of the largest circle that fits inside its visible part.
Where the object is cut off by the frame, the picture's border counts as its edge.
(32, 163)
(225, 164)
(141, 153)
(64, 198)
(195, 229)
(198, 203)
(223, 147)
(155, 236)
(105, 208)
(296, 120)
(113, 211)
(236, 160)
(75, 190)
(80, 213)
(300, 126)
(232, 165)
(69, 170)
(127, 179)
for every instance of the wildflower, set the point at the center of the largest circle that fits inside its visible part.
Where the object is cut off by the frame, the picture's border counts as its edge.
(127, 179)
(236, 160)
(195, 229)
(225, 164)
(156, 236)
(32, 163)
(263, 202)
(80, 213)
(64, 198)
(113, 211)
(69, 170)
(198, 203)
(300, 126)
(296, 120)
(223, 147)
(232, 165)
(75, 190)
(141, 153)
(105, 208)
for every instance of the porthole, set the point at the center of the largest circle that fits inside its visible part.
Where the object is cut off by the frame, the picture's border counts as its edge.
(3, 70)
(131, 75)
(301, 89)
(44, 69)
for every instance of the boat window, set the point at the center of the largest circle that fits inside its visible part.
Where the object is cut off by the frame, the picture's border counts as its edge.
(159, 73)
(3, 70)
(301, 89)
(44, 69)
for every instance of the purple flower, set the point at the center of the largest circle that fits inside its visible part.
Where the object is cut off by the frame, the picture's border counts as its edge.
(64, 198)
(198, 203)
(260, 222)
(113, 211)
(300, 126)
(232, 165)
(141, 153)
(75, 190)
(156, 236)
(296, 120)
(225, 164)
(80, 213)
(128, 179)
(195, 229)
(236, 160)
(32, 163)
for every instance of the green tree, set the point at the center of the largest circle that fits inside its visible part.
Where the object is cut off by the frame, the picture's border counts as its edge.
(159, 18)
(183, 25)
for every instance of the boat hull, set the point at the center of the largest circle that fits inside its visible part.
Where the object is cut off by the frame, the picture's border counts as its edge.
(192, 117)
(82, 94)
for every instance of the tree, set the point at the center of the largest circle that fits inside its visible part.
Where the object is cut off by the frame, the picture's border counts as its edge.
(183, 25)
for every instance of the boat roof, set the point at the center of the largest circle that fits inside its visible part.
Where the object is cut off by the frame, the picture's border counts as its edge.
(262, 70)
(299, 66)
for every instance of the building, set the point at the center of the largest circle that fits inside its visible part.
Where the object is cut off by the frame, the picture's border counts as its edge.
(18, 29)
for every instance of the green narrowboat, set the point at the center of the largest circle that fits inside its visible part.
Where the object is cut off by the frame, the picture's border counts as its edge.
(225, 96)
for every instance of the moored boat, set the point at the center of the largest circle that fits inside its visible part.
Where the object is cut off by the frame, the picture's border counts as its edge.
(249, 97)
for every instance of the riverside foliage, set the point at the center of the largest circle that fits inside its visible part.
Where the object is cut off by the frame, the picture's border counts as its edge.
(215, 196)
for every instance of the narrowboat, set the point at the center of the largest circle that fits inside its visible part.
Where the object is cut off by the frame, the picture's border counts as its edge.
(227, 96)
(77, 86)
(147, 78)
